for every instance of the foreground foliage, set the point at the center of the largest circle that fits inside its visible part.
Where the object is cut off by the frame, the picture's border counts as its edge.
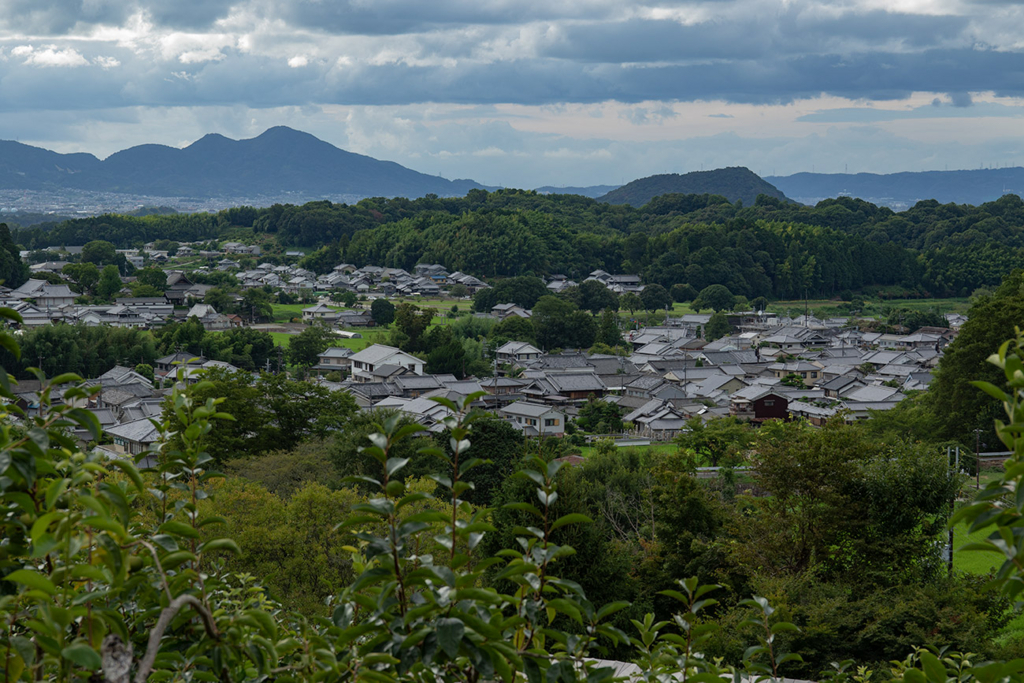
(112, 573)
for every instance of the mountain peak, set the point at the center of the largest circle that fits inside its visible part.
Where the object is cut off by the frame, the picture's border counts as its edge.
(280, 161)
(735, 183)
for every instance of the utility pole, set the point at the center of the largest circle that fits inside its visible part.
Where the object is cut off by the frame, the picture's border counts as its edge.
(977, 457)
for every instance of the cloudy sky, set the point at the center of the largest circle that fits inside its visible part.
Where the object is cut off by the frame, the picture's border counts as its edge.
(532, 92)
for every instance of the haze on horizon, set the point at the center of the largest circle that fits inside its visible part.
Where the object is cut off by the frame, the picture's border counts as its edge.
(530, 93)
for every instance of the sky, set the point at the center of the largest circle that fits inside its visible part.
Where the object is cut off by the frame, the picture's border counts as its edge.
(527, 93)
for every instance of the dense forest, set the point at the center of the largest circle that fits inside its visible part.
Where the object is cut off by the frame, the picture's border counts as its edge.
(773, 248)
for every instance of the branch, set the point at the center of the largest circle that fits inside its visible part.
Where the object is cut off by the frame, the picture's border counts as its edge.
(166, 616)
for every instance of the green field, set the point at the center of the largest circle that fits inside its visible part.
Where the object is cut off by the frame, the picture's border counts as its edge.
(972, 561)
(587, 451)
(872, 309)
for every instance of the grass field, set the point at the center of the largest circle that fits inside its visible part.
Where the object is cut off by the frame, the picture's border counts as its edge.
(972, 561)
(873, 307)
(587, 451)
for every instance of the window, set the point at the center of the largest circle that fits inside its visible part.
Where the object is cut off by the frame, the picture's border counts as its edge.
(551, 422)
(768, 402)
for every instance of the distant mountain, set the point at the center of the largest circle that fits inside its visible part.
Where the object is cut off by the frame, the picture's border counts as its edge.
(278, 162)
(901, 190)
(592, 191)
(735, 183)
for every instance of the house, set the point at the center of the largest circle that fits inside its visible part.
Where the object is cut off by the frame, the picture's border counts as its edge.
(657, 419)
(319, 312)
(502, 311)
(758, 403)
(811, 374)
(177, 286)
(134, 437)
(517, 352)
(534, 419)
(45, 295)
(334, 359)
(169, 364)
(368, 362)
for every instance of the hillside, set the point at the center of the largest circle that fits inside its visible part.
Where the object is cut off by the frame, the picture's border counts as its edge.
(734, 183)
(900, 190)
(278, 162)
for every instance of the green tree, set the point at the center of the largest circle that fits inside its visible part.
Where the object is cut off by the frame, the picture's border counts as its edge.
(154, 277)
(608, 331)
(552, 321)
(13, 271)
(960, 407)
(715, 297)
(99, 252)
(592, 296)
(412, 323)
(87, 275)
(718, 326)
(683, 292)
(654, 297)
(305, 348)
(515, 328)
(256, 303)
(146, 370)
(382, 311)
(631, 302)
(109, 284)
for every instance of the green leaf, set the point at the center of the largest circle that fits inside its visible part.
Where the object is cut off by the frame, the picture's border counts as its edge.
(32, 579)
(449, 635)
(933, 668)
(266, 622)
(82, 655)
(221, 544)
(178, 529)
(572, 518)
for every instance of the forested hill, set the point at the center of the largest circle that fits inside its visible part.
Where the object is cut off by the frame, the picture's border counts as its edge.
(961, 187)
(278, 162)
(771, 248)
(734, 183)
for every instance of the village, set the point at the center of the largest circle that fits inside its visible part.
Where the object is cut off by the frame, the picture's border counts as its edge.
(769, 367)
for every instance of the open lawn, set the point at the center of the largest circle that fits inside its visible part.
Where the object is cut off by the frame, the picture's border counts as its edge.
(872, 309)
(669, 447)
(972, 561)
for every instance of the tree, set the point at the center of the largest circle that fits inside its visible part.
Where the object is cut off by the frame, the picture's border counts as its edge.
(583, 329)
(345, 296)
(683, 292)
(411, 322)
(87, 275)
(600, 417)
(552, 322)
(459, 290)
(523, 291)
(718, 326)
(169, 246)
(382, 311)
(515, 328)
(608, 331)
(146, 370)
(256, 303)
(99, 252)
(715, 297)
(654, 297)
(960, 407)
(110, 282)
(631, 302)
(305, 348)
(154, 277)
(221, 299)
(13, 271)
(593, 296)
